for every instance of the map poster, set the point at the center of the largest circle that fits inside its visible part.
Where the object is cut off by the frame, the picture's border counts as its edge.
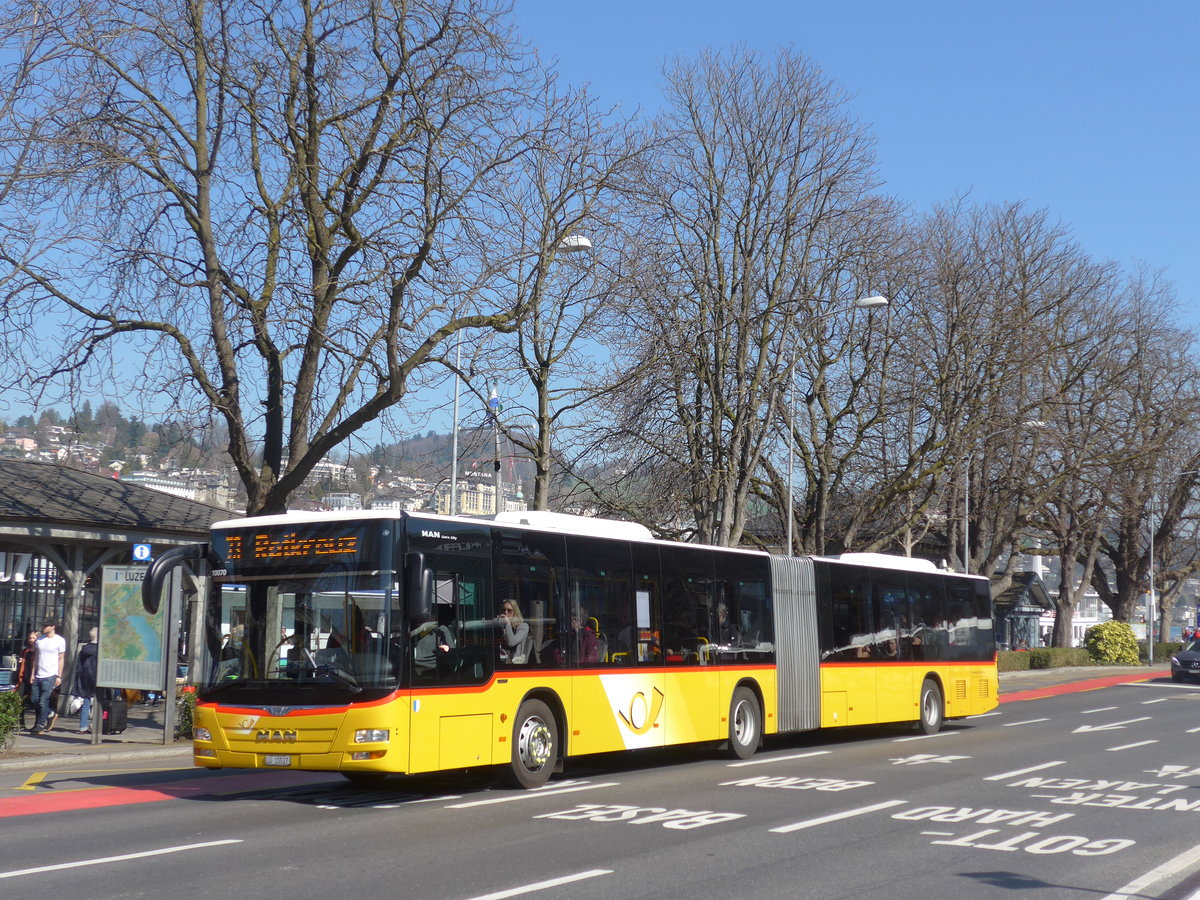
(131, 640)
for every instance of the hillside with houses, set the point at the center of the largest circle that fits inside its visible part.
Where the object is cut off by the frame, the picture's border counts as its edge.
(409, 474)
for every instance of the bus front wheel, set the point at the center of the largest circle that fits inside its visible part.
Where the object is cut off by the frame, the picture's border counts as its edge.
(932, 711)
(745, 723)
(534, 744)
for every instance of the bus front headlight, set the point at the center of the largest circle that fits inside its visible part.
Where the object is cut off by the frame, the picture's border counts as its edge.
(202, 734)
(371, 736)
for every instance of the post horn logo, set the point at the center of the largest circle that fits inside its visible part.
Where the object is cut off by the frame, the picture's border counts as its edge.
(642, 714)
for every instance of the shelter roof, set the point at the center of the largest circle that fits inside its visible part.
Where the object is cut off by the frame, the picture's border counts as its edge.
(1027, 590)
(41, 499)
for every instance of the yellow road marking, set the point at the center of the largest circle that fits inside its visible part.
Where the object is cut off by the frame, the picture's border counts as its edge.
(33, 782)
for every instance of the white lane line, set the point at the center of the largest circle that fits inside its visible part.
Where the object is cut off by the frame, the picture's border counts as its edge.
(543, 885)
(533, 795)
(1172, 867)
(766, 760)
(1088, 712)
(836, 817)
(1157, 700)
(111, 859)
(1190, 688)
(1026, 722)
(1004, 776)
(1131, 746)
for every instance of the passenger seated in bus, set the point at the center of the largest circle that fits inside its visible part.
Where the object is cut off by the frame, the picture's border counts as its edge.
(583, 638)
(514, 634)
(727, 633)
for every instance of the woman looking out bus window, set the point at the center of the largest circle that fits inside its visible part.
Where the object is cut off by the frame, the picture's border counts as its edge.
(514, 633)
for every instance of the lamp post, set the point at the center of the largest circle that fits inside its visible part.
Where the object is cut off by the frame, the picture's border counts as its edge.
(454, 435)
(494, 410)
(872, 302)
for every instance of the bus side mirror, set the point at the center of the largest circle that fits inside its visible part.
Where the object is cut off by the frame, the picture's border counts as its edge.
(156, 576)
(419, 598)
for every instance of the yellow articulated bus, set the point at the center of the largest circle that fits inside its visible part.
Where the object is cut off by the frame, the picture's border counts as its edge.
(374, 644)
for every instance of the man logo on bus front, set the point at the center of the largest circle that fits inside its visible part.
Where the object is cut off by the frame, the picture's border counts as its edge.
(275, 736)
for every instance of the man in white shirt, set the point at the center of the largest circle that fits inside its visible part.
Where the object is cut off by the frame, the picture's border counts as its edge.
(47, 675)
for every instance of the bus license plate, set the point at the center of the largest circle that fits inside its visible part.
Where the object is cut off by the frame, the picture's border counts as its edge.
(277, 760)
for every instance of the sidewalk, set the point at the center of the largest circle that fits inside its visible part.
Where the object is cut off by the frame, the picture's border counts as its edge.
(142, 738)
(1037, 683)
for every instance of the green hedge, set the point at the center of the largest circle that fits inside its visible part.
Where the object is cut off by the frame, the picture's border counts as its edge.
(1059, 657)
(1043, 658)
(10, 717)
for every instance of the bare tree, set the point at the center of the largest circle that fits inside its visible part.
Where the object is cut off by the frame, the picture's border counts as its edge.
(993, 336)
(758, 164)
(1088, 448)
(569, 184)
(1155, 444)
(278, 209)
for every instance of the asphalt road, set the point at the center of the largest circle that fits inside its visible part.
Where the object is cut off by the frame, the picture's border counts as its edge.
(1073, 794)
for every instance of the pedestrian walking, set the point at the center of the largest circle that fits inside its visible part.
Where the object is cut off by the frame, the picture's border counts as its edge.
(85, 680)
(26, 665)
(47, 675)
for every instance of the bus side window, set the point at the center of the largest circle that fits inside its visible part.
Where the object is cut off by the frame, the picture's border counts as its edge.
(851, 625)
(600, 594)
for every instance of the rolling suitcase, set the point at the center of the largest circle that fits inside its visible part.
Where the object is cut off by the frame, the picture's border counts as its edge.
(116, 714)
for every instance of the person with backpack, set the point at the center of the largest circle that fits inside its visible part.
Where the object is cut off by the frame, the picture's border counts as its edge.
(85, 680)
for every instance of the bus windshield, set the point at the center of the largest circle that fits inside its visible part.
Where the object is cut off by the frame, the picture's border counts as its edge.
(330, 636)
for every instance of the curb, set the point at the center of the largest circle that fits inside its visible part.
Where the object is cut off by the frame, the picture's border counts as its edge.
(29, 759)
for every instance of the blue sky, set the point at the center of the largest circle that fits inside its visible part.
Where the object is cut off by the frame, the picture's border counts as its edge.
(1090, 110)
(1087, 109)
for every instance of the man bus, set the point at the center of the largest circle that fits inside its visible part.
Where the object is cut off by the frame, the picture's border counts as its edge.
(370, 644)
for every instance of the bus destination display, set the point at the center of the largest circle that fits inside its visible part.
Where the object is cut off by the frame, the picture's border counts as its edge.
(299, 548)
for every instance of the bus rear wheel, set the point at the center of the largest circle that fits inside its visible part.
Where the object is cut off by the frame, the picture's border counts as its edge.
(745, 723)
(534, 744)
(932, 711)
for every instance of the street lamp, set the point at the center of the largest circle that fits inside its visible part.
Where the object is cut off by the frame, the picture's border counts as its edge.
(872, 302)
(454, 433)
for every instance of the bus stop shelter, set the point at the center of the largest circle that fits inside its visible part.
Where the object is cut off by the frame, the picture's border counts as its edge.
(59, 526)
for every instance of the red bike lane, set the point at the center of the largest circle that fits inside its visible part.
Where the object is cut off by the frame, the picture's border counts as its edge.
(47, 800)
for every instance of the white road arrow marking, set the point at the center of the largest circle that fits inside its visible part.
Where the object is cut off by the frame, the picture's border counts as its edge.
(1111, 726)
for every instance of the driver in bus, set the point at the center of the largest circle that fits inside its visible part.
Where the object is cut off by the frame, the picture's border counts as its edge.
(434, 644)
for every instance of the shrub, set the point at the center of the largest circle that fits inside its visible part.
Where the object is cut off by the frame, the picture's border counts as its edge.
(10, 717)
(1012, 661)
(185, 711)
(1112, 643)
(1042, 658)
